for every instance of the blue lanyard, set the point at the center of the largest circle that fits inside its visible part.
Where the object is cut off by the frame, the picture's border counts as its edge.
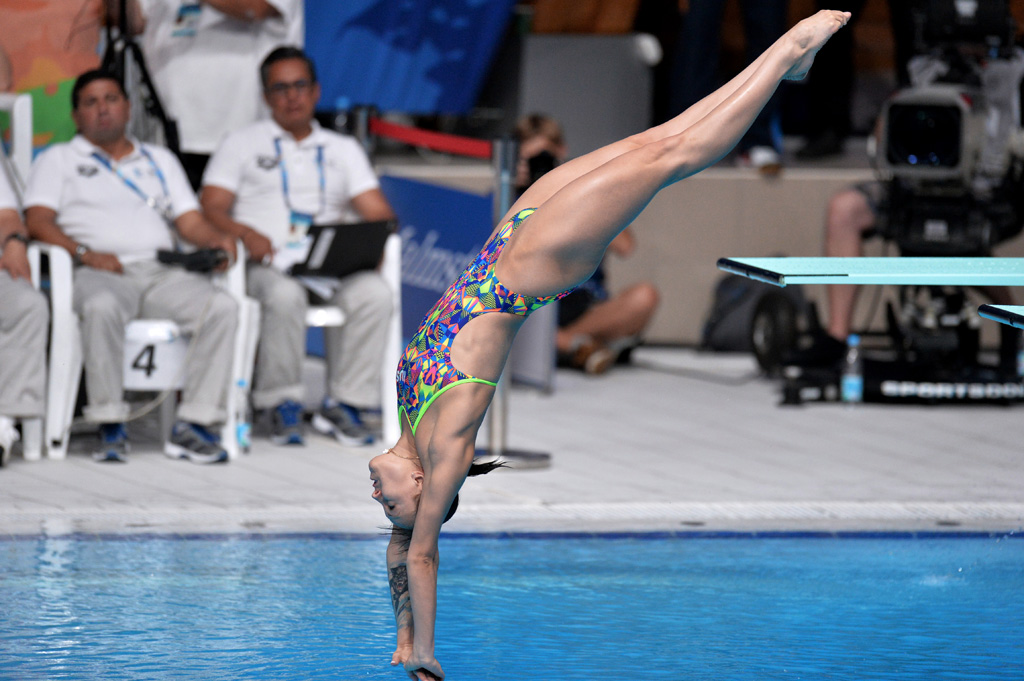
(162, 207)
(284, 177)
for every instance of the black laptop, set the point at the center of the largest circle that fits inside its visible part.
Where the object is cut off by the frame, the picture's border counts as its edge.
(339, 250)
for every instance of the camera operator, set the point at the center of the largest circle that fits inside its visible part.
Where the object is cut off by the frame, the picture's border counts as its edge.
(950, 170)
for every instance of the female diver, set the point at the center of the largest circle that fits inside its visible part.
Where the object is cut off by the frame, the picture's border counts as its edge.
(551, 240)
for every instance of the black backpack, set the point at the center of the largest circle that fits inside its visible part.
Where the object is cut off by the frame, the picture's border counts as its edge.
(751, 316)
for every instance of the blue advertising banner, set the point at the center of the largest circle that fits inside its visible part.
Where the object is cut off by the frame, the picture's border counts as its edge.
(442, 230)
(422, 56)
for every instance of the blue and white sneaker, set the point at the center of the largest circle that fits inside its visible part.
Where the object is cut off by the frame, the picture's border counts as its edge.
(342, 422)
(287, 424)
(195, 443)
(113, 444)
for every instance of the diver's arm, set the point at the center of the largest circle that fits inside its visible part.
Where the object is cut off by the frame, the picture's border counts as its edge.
(398, 582)
(440, 485)
(422, 562)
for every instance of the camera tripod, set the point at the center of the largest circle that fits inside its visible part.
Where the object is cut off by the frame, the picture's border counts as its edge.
(123, 57)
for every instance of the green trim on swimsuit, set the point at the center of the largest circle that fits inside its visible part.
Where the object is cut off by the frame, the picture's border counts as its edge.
(426, 364)
(442, 391)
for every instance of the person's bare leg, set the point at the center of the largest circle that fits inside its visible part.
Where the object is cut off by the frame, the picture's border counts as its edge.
(562, 243)
(551, 182)
(849, 216)
(621, 316)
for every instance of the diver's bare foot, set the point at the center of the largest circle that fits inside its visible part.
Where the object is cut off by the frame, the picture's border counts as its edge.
(810, 35)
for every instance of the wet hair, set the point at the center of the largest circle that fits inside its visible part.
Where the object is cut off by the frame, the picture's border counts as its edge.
(281, 54)
(90, 77)
(539, 125)
(474, 470)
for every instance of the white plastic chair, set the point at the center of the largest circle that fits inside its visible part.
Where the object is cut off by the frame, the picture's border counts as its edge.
(65, 362)
(17, 162)
(331, 316)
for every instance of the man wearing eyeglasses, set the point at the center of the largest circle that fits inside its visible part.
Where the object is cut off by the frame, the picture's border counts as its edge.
(266, 185)
(203, 56)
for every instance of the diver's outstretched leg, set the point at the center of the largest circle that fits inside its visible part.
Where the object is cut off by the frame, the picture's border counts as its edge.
(551, 182)
(561, 244)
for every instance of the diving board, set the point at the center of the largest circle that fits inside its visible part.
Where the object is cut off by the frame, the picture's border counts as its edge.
(1011, 315)
(897, 271)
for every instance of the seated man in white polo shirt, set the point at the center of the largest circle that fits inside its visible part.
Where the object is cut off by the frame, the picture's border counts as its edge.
(113, 202)
(266, 184)
(23, 323)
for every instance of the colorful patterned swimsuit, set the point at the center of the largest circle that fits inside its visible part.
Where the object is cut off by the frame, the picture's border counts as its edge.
(425, 370)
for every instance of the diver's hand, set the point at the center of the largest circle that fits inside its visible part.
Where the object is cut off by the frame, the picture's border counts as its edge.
(423, 668)
(401, 654)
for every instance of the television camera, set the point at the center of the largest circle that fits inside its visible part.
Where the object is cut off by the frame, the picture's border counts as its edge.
(951, 145)
(950, 149)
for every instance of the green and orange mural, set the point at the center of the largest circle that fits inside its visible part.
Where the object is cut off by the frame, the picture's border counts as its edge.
(47, 43)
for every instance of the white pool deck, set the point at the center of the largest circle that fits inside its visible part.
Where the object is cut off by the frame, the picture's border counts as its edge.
(688, 445)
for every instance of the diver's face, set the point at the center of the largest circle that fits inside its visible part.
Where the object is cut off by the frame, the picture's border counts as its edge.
(397, 484)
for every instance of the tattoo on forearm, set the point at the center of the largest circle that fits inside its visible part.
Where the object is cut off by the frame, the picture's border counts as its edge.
(399, 581)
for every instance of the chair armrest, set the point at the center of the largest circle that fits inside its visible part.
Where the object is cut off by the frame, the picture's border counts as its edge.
(61, 276)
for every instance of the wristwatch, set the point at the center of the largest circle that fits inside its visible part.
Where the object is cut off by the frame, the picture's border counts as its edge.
(80, 251)
(16, 236)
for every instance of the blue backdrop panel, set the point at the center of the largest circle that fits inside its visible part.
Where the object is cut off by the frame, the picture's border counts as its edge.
(442, 230)
(418, 56)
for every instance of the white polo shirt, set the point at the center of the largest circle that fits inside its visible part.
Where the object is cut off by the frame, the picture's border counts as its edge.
(206, 66)
(8, 199)
(247, 165)
(97, 207)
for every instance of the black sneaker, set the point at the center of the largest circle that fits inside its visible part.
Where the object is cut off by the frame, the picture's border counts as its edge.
(342, 422)
(822, 351)
(287, 424)
(195, 443)
(113, 444)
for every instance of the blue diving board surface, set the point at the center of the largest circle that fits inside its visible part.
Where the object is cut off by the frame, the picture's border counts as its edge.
(921, 271)
(1011, 315)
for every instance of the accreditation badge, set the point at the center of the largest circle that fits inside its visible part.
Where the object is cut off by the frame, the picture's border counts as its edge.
(187, 21)
(298, 227)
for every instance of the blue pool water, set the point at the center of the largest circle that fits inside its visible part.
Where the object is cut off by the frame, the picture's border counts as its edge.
(632, 607)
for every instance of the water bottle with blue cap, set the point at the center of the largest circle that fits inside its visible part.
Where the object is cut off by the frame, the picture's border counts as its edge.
(851, 387)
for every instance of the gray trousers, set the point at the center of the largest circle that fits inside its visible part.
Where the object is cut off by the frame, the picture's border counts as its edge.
(106, 302)
(355, 350)
(24, 321)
